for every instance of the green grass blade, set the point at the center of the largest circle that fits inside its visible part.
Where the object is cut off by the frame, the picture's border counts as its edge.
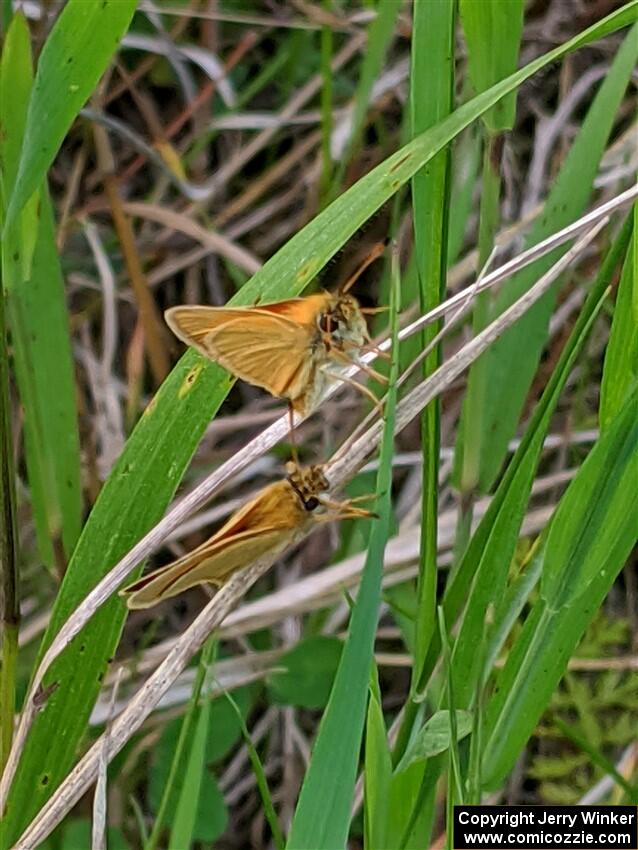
(431, 100)
(73, 59)
(377, 772)
(207, 656)
(260, 777)
(15, 79)
(322, 816)
(380, 34)
(483, 568)
(146, 476)
(45, 374)
(621, 357)
(191, 784)
(510, 368)
(493, 32)
(36, 313)
(326, 51)
(590, 537)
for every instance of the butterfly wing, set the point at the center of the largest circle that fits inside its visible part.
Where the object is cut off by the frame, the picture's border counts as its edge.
(264, 524)
(212, 565)
(260, 347)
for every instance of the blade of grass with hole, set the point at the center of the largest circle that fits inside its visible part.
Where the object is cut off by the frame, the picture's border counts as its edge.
(479, 579)
(620, 370)
(322, 815)
(161, 445)
(431, 100)
(510, 367)
(74, 57)
(492, 34)
(590, 537)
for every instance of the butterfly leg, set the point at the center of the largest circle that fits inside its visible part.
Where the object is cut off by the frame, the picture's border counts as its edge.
(343, 510)
(293, 440)
(376, 251)
(343, 358)
(378, 403)
(373, 311)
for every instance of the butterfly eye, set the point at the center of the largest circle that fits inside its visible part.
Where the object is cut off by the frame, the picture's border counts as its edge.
(311, 504)
(325, 323)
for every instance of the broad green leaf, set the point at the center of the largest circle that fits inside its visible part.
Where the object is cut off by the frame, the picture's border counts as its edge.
(591, 535)
(322, 816)
(510, 366)
(74, 57)
(493, 31)
(310, 668)
(435, 737)
(620, 370)
(431, 101)
(158, 451)
(76, 833)
(377, 772)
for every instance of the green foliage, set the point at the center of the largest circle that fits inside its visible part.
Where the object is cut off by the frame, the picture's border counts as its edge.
(309, 671)
(601, 705)
(218, 730)
(590, 536)
(486, 716)
(73, 59)
(434, 737)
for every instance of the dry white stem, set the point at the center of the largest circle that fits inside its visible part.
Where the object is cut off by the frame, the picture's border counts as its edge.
(227, 597)
(109, 418)
(141, 705)
(98, 828)
(344, 467)
(524, 259)
(338, 472)
(222, 245)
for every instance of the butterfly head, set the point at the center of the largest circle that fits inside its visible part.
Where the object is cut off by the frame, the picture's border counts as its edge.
(343, 324)
(307, 482)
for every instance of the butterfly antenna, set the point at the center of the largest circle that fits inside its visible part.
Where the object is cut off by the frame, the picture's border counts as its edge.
(376, 252)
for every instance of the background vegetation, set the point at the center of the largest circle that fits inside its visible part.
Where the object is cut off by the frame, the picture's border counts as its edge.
(478, 641)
